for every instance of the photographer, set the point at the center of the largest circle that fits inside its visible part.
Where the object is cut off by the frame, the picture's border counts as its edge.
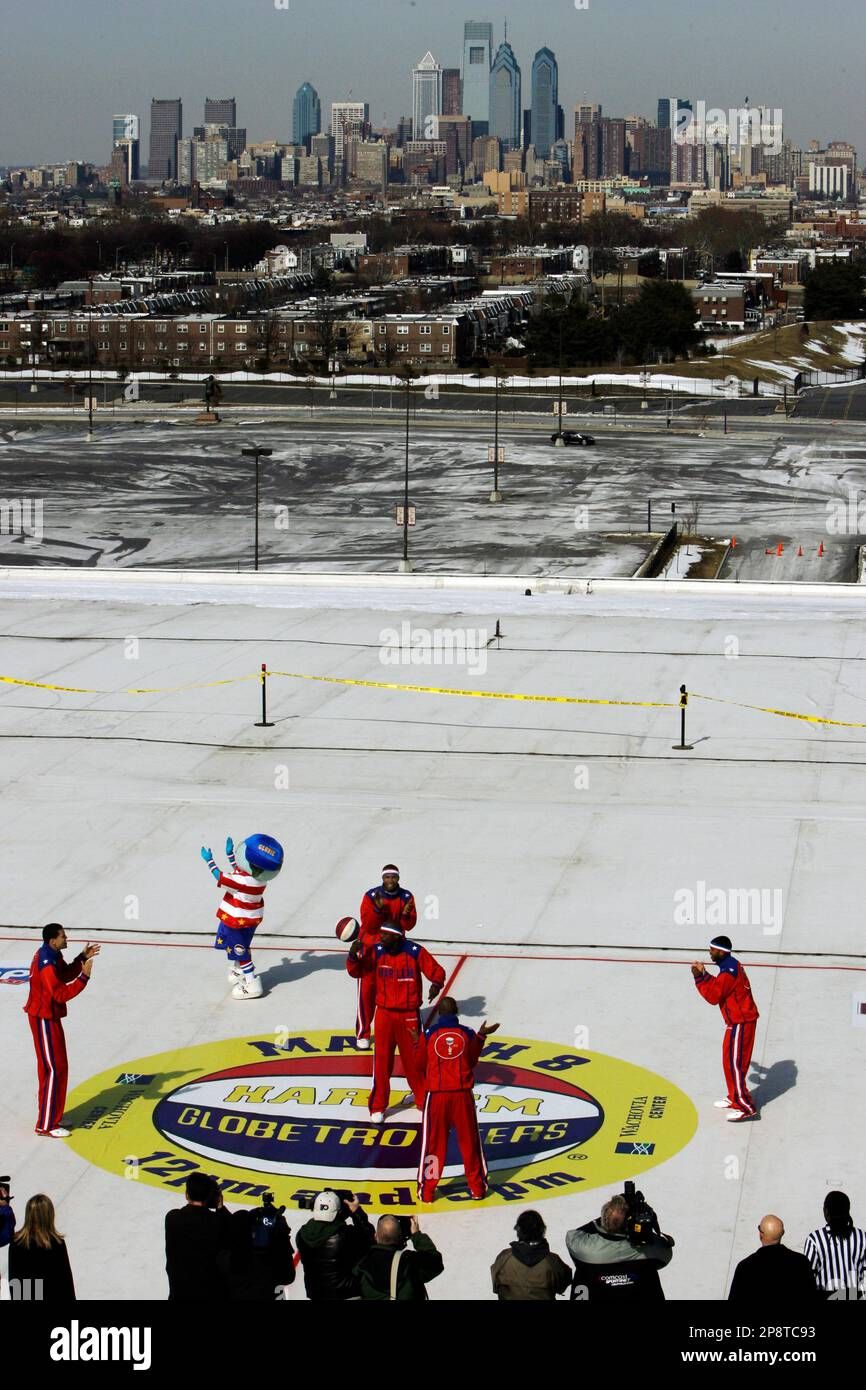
(261, 1262)
(7, 1215)
(197, 1243)
(331, 1243)
(619, 1255)
(390, 1271)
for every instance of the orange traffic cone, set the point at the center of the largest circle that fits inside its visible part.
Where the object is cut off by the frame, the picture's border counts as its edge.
(779, 548)
(799, 550)
(821, 548)
(733, 542)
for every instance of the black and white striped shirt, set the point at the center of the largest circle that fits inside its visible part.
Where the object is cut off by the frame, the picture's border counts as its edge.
(837, 1262)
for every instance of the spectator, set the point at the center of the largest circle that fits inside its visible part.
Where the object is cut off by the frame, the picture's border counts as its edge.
(261, 1263)
(330, 1247)
(197, 1243)
(389, 1271)
(837, 1251)
(774, 1272)
(528, 1271)
(38, 1251)
(7, 1215)
(609, 1265)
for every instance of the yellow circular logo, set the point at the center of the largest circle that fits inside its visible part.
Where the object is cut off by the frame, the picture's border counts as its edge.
(289, 1115)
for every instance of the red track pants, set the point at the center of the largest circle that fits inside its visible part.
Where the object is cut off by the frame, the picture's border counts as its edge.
(53, 1070)
(737, 1046)
(396, 1031)
(444, 1111)
(366, 1005)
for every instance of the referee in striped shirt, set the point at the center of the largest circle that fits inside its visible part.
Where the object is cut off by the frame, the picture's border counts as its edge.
(837, 1251)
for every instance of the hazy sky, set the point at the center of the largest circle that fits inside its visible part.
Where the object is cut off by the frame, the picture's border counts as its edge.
(69, 65)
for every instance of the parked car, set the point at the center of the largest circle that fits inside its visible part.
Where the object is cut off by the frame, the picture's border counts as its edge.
(569, 437)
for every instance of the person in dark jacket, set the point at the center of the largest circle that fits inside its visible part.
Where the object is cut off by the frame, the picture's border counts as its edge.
(197, 1243)
(330, 1246)
(261, 1263)
(774, 1273)
(390, 1271)
(610, 1266)
(38, 1253)
(528, 1270)
(7, 1215)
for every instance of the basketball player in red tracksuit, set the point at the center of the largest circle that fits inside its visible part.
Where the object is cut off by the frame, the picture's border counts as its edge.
(448, 1052)
(52, 984)
(387, 903)
(397, 966)
(730, 989)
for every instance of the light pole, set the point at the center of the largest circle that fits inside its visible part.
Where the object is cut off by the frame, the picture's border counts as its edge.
(405, 566)
(496, 495)
(257, 452)
(90, 357)
(117, 253)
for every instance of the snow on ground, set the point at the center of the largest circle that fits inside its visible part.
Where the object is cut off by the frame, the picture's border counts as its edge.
(546, 845)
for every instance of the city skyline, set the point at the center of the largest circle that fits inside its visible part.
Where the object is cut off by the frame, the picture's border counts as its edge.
(339, 44)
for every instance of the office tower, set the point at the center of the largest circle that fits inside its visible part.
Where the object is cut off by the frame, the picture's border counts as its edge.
(222, 111)
(323, 147)
(350, 120)
(586, 111)
(506, 111)
(560, 155)
(367, 162)
(477, 61)
(125, 137)
(166, 128)
(306, 115)
(456, 132)
(612, 161)
(452, 96)
(545, 99)
(426, 96)
(668, 106)
(587, 146)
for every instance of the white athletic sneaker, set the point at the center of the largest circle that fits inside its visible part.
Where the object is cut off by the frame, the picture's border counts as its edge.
(234, 975)
(737, 1115)
(363, 1044)
(248, 987)
(377, 1117)
(723, 1104)
(58, 1133)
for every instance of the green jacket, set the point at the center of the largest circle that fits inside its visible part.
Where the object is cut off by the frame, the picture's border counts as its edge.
(417, 1267)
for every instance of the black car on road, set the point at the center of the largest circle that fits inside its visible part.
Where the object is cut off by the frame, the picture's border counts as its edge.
(569, 437)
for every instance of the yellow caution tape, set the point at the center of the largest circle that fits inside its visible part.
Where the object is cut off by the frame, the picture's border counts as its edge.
(133, 690)
(783, 713)
(474, 694)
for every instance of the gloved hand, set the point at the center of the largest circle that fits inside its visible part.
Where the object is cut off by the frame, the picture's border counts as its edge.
(206, 854)
(230, 846)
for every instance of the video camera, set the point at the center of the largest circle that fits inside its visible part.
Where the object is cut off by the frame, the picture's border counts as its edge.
(307, 1200)
(641, 1223)
(5, 1188)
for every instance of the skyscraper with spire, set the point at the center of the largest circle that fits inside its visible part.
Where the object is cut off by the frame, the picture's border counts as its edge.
(477, 61)
(506, 111)
(426, 96)
(545, 99)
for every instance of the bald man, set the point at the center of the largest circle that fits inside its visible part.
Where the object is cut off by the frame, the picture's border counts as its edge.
(774, 1273)
(390, 1271)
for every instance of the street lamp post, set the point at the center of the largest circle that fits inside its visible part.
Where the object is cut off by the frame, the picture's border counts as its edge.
(256, 452)
(405, 566)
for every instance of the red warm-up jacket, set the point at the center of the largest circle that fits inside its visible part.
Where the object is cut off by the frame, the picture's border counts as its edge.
(730, 989)
(52, 983)
(399, 974)
(379, 909)
(448, 1052)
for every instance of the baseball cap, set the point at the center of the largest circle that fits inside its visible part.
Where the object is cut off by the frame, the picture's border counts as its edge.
(326, 1207)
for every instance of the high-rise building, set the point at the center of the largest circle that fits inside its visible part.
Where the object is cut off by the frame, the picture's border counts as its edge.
(426, 96)
(456, 131)
(452, 96)
(306, 115)
(587, 145)
(612, 147)
(477, 61)
(545, 99)
(367, 162)
(668, 107)
(350, 120)
(506, 110)
(586, 111)
(125, 138)
(166, 128)
(220, 111)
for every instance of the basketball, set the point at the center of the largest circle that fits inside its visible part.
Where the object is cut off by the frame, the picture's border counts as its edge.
(347, 929)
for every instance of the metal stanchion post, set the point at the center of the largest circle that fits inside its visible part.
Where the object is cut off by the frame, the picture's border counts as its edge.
(682, 746)
(264, 722)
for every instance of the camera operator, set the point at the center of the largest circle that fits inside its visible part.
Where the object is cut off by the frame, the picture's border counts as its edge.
(7, 1215)
(261, 1263)
(197, 1243)
(619, 1255)
(392, 1271)
(331, 1243)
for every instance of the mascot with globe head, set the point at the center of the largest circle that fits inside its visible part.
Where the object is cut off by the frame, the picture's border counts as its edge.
(258, 861)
